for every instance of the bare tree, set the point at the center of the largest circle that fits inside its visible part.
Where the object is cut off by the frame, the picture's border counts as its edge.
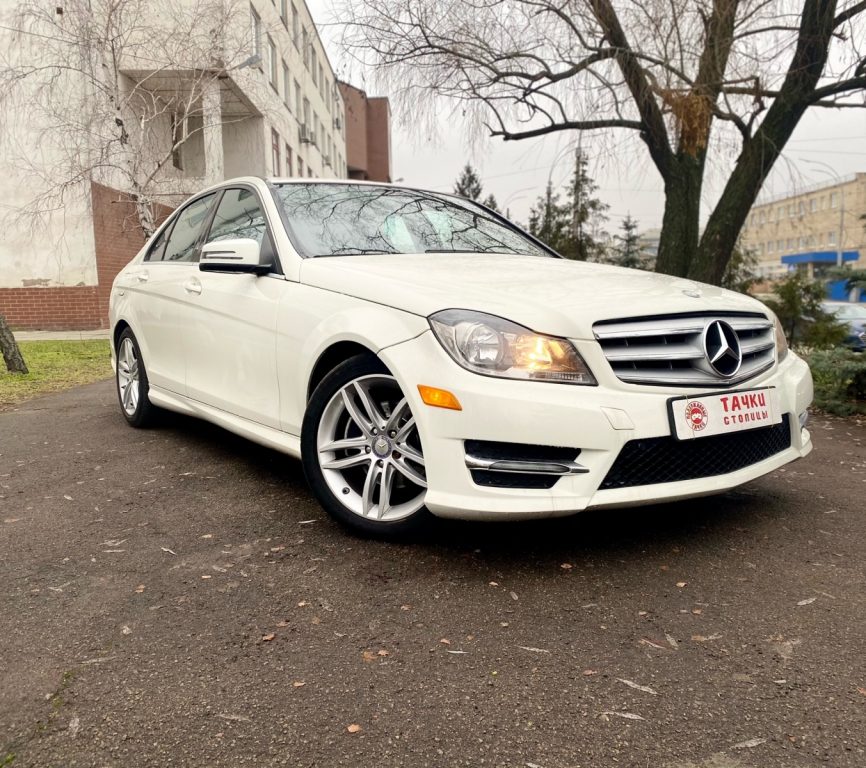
(115, 90)
(695, 80)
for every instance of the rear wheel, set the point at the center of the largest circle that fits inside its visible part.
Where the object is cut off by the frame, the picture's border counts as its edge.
(362, 453)
(132, 384)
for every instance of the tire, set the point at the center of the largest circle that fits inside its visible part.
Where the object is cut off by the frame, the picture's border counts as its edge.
(132, 384)
(359, 433)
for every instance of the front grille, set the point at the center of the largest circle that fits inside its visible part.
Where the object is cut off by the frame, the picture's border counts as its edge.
(517, 452)
(669, 349)
(667, 460)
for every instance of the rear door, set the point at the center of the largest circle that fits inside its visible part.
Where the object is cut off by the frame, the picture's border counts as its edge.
(231, 344)
(160, 291)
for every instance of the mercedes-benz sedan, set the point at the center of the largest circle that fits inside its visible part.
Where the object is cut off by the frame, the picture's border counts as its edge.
(421, 354)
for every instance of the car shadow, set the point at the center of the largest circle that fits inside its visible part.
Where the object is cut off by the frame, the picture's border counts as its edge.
(708, 521)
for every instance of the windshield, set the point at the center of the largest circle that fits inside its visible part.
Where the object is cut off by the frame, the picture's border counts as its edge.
(848, 311)
(353, 219)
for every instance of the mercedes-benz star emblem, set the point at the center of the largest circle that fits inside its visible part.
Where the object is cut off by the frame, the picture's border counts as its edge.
(722, 348)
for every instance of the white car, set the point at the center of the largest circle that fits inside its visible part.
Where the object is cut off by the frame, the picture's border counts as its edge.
(420, 354)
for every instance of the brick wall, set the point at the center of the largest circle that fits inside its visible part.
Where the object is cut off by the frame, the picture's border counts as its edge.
(117, 238)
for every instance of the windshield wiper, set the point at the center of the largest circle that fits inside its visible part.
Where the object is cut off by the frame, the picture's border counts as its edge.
(470, 250)
(354, 252)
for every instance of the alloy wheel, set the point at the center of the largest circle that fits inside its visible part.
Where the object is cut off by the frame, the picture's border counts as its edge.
(128, 378)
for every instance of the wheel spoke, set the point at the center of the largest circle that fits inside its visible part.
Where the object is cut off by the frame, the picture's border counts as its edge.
(408, 471)
(125, 395)
(133, 397)
(405, 430)
(354, 460)
(373, 413)
(396, 415)
(369, 488)
(385, 489)
(362, 422)
(411, 453)
(344, 445)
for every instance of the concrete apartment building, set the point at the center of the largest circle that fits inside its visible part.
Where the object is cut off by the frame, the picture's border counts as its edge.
(813, 229)
(273, 108)
(368, 143)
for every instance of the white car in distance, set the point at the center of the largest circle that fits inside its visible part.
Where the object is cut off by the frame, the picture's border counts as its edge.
(420, 354)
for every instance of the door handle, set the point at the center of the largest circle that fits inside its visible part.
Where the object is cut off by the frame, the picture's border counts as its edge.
(192, 286)
(142, 277)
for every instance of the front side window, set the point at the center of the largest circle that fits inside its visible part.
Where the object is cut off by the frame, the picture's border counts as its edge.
(238, 215)
(183, 241)
(350, 219)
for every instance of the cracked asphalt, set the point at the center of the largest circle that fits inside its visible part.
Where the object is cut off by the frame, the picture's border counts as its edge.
(175, 597)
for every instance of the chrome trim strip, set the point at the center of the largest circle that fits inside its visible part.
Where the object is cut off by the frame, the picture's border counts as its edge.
(526, 467)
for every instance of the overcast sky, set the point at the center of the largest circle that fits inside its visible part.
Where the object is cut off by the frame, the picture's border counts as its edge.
(827, 143)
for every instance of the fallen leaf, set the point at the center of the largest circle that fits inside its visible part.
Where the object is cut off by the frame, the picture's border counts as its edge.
(445, 641)
(697, 611)
(681, 584)
(126, 630)
(298, 684)
(566, 566)
(234, 718)
(494, 583)
(282, 623)
(861, 690)
(206, 536)
(651, 644)
(644, 688)
(807, 601)
(11, 519)
(302, 604)
(354, 728)
(642, 613)
(368, 656)
(68, 498)
(383, 652)
(315, 620)
(749, 744)
(277, 549)
(531, 649)
(140, 588)
(503, 623)
(590, 672)
(626, 715)
(705, 638)
(405, 607)
(513, 595)
(206, 576)
(268, 637)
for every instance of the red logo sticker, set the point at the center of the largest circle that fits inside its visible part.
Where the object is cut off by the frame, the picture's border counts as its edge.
(696, 416)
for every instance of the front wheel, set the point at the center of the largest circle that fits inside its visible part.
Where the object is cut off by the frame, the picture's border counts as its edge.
(362, 453)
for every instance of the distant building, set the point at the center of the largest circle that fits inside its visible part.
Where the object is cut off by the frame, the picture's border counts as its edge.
(279, 113)
(648, 241)
(813, 229)
(368, 135)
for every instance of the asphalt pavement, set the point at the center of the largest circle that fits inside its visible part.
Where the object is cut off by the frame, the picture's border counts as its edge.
(175, 597)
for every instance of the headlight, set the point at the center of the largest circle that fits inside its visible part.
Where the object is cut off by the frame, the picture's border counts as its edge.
(781, 341)
(495, 347)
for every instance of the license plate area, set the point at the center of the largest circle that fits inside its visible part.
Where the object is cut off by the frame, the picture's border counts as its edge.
(720, 414)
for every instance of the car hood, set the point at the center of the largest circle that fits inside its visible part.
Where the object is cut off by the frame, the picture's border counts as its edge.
(553, 296)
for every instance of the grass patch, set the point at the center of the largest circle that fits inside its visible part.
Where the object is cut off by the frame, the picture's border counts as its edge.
(54, 366)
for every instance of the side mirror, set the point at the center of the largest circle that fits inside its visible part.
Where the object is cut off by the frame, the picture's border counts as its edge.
(237, 255)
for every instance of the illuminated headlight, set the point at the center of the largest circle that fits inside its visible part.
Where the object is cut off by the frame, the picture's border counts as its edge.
(492, 346)
(781, 341)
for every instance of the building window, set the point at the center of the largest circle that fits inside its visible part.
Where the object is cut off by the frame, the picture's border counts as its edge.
(831, 238)
(288, 160)
(813, 205)
(834, 199)
(275, 149)
(287, 86)
(802, 208)
(284, 11)
(305, 47)
(272, 64)
(762, 218)
(307, 113)
(298, 113)
(314, 65)
(791, 211)
(295, 25)
(321, 81)
(328, 96)
(300, 167)
(256, 22)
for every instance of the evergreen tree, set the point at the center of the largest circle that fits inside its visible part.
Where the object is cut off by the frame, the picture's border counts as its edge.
(468, 184)
(587, 213)
(490, 202)
(804, 321)
(628, 244)
(549, 220)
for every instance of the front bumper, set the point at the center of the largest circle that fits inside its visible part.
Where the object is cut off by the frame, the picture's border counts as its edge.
(597, 420)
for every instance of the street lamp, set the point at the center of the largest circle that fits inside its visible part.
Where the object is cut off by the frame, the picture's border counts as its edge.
(832, 174)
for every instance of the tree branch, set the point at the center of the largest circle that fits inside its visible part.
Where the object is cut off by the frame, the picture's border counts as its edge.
(578, 125)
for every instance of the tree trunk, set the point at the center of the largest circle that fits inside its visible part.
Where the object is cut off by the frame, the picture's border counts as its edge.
(681, 223)
(11, 354)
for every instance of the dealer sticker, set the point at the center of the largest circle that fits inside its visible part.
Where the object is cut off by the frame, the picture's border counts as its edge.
(705, 415)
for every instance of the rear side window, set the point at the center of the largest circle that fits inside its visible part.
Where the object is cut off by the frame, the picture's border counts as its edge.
(183, 240)
(238, 215)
